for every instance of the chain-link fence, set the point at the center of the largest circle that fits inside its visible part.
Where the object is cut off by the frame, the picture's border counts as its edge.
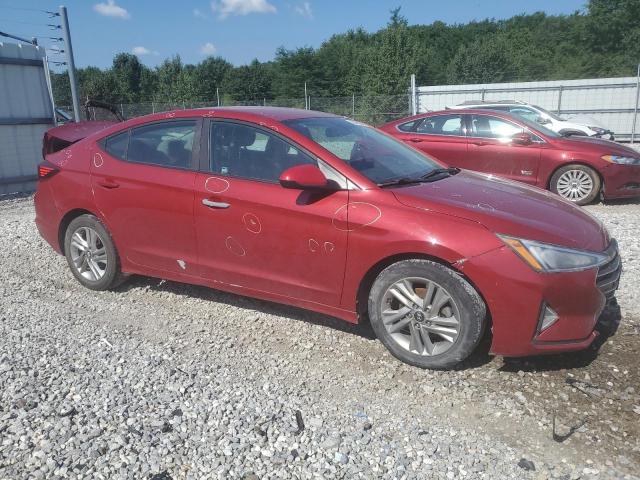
(372, 109)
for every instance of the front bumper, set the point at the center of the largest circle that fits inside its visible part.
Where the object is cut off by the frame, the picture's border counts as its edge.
(607, 135)
(621, 181)
(515, 295)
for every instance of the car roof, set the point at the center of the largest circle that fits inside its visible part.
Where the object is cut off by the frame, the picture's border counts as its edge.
(461, 111)
(274, 113)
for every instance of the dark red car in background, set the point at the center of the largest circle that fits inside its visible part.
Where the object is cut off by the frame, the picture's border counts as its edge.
(577, 168)
(318, 211)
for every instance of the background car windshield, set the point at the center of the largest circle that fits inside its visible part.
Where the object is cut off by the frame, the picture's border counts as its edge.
(552, 115)
(536, 127)
(377, 156)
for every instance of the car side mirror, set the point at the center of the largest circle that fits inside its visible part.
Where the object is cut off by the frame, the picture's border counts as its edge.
(522, 138)
(542, 120)
(304, 177)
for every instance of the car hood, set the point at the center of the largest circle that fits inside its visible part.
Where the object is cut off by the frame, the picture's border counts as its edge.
(595, 145)
(508, 208)
(585, 120)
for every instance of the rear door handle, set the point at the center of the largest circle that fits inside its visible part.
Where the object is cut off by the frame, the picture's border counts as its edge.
(415, 140)
(480, 143)
(110, 184)
(211, 204)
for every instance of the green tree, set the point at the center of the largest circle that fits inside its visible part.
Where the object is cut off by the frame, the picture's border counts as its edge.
(127, 74)
(249, 82)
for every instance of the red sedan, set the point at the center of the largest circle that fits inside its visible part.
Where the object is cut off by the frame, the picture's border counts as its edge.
(577, 168)
(317, 211)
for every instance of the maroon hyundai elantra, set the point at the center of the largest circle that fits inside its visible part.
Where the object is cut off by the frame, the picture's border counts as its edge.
(580, 169)
(321, 212)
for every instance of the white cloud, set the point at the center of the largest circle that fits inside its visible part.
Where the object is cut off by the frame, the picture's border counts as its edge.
(224, 8)
(139, 51)
(198, 13)
(304, 9)
(110, 9)
(208, 49)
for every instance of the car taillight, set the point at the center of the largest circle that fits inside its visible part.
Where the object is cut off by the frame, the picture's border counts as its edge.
(46, 170)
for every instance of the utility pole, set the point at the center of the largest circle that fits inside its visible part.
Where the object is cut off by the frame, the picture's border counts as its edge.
(71, 66)
(306, 100)
(218, 95)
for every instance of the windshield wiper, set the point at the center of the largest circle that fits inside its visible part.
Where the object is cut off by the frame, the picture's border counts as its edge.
(427, 177)
(400, 181)
(440, 171)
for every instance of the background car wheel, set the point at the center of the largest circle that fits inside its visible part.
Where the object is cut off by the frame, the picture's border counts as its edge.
(572, 133)
(426, 314)
(91, 254)
(577, 183)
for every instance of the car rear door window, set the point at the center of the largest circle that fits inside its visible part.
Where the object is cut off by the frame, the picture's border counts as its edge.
(485, 126)
(243, 151)
(409, 126)
(116, 145)
(166, 144)
(442, 125)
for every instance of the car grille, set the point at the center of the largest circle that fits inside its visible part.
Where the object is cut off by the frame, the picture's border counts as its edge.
(609, 273)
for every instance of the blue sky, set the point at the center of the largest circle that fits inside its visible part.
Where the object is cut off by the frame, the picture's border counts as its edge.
(238, 30)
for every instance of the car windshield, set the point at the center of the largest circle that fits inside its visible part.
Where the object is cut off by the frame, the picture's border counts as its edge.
(379, 157)
(536, 127)
(547, 112)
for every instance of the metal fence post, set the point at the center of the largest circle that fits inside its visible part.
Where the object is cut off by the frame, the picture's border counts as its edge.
(559, 100)
(482, 92)
(353, 106)
(153, 107)
(635, 110)
(414, 107)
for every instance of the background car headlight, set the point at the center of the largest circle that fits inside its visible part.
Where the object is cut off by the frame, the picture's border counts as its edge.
(544, 257)
(621, 160)
(598, 130)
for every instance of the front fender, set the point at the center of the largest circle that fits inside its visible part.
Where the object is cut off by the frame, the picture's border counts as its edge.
(407, 232)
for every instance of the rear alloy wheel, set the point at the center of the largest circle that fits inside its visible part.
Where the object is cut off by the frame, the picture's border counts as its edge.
(91, 254)
(577, 183)
(426, 314)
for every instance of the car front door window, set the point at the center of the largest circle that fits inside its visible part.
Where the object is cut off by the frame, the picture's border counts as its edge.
(484, 126)
(250, 153)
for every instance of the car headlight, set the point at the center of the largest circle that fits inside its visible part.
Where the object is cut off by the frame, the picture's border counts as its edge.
(544, 257)
(621, 160)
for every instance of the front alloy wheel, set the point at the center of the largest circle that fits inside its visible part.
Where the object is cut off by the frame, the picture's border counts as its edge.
(426, 314)
(420, 316)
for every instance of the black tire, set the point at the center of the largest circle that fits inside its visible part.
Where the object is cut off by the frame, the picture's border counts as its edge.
(471, 308)
(112, 276)
(595, 179)
(572, 133)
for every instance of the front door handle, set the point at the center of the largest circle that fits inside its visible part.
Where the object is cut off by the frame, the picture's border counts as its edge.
(211, 204)
(415, 140)
(480, 143)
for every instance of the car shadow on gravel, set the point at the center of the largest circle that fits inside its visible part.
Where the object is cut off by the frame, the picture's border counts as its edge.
(620, 201)
(363, 330)
(607, 326)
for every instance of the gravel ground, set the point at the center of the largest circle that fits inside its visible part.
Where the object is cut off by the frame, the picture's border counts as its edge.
(162, 380)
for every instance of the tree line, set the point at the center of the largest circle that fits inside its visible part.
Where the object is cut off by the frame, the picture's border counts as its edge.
(601, 41)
